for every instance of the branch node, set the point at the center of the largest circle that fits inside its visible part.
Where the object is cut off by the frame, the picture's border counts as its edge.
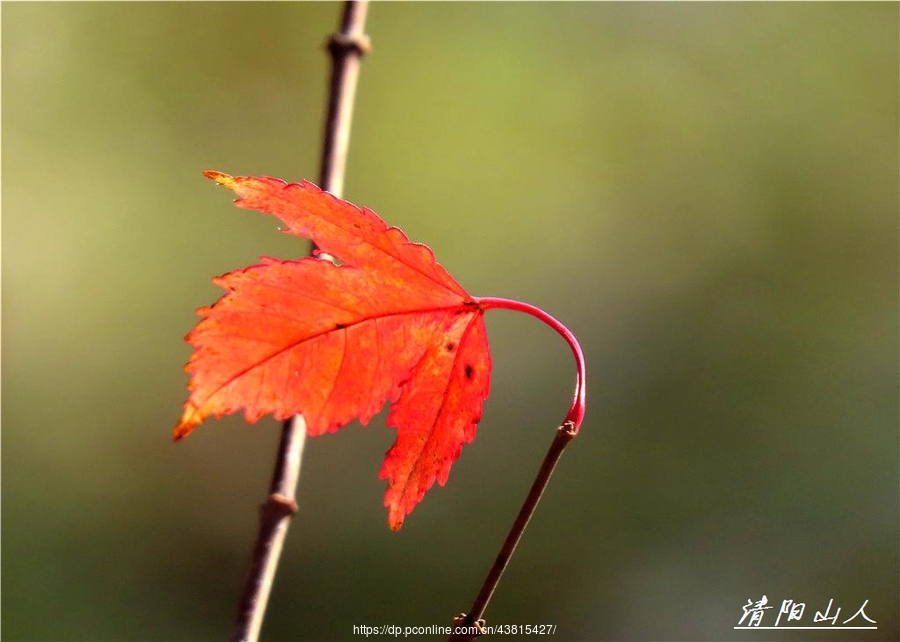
(568, 429)
(340, 44)
(478, 625)
(280, 505)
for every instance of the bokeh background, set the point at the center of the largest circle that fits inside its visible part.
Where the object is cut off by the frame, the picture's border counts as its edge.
(706, 194)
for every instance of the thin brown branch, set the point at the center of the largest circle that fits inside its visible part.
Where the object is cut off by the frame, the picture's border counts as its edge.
(346, 48)
(472, 622)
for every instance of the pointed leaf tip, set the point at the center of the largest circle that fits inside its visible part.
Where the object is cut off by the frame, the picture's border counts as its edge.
(219, 177)
(187, 424)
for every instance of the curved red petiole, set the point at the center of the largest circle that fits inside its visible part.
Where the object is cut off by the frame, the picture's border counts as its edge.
(470, 622)
(576, 412)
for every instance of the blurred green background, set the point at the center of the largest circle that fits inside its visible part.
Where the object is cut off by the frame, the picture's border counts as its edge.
(706, 194)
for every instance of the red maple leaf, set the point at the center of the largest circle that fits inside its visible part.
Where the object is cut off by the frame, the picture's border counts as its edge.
(335, 342)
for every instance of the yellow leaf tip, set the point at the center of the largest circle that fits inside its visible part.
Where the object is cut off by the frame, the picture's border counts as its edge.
(218, 177)
(395, 518)
(186, 426)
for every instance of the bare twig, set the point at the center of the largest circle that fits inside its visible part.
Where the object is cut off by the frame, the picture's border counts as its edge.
(346, 48)
(470, 624)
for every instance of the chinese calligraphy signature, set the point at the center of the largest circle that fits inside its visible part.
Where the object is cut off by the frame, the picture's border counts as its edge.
(792, 611)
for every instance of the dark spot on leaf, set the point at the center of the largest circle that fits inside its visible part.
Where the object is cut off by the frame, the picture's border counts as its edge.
(469, 372)
(450, 346)
(339, 326)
